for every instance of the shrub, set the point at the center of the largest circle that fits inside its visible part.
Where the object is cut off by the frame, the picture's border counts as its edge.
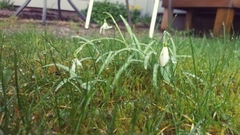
(135, 13)
(6, 4)
(115, 9)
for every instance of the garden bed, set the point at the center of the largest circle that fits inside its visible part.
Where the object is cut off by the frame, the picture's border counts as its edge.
(36, 13)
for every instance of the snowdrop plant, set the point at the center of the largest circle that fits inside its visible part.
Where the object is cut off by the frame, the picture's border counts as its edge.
(164, 55)
(163, 65)
(168, 53)
(141, 53)
(104, 27)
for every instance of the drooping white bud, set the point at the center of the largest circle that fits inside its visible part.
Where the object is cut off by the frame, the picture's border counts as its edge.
(164, 56)
(104, 27)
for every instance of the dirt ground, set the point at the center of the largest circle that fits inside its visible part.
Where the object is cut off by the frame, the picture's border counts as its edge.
(69, 25)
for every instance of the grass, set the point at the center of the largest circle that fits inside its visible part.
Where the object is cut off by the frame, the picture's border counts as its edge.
(120, 88)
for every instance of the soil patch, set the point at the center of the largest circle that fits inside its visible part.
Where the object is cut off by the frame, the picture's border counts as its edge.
(69, 24)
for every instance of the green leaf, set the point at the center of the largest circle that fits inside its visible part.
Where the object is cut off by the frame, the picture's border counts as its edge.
(7, 74)
(123, 68)
(155, 72)
(165, 71)
(72, 73)
(147, 58)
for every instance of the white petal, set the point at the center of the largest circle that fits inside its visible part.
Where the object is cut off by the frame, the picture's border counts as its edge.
(100, 30)
(104, 27)
(73, 66)
(164, 56)
(108, 27)
(78, 62)
(75, 63)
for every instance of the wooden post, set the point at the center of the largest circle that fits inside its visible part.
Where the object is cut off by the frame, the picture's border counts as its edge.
(223, 20)
(167, 16)
(170, 13)
(165, 22)
(188, 20)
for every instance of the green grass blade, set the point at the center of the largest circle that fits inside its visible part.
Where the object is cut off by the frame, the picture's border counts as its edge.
(155, 72)
(106, 62)
(146, 60)
(123, 68)
(127, 27)
(132, 35)
(72, 73)
(149, 46)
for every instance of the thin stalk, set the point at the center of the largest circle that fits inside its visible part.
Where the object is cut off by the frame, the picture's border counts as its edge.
(17, 88)
(97, 39)
(194, 65)
(4, 100)
(58, 112)
(116, 25)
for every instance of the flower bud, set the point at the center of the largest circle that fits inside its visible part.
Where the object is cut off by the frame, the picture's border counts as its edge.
(164, 56)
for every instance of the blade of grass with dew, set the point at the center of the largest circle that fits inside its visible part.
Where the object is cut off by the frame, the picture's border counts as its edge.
(86, 58)
(52, 45)
(173, 45)
(123, 68)
(175, 88)
(113, 54)
(130, 49)
(158, 121)
(106, 62)
(193, 62)
(165, 71)
(88, 97)
(72, 73)
(195, 128)
(149, 46)
(114, 21)
(193, 76)
(78, 50)
(146, 59)
(4, 107)
(68, 80)
(87, 41)
(132, 35)
(155, 72)
(7, 74)
(19, 100)
(87, 85)
(127, 27)
(190, 81)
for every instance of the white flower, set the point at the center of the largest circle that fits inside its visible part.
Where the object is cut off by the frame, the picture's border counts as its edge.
(75, 63)
(104, 27)
(164, 56)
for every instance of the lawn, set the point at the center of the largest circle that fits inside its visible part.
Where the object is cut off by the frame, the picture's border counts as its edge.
(115, 84)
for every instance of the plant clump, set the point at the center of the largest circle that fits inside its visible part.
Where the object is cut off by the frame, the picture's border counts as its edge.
(115, 9)
(6, 4)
